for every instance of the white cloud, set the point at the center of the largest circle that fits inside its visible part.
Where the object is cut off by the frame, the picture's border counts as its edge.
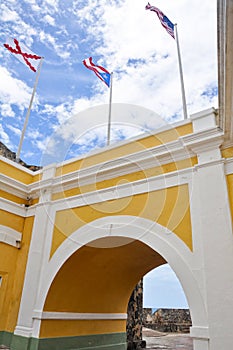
(129, 31)
(7, 14)
(15, 130)
(49, 19)
(13, 91)
(6, 110)
(5, 138)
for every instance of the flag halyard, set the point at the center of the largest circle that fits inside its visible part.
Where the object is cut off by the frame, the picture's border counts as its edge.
(24, 54)
(164, 20)
(99, 71)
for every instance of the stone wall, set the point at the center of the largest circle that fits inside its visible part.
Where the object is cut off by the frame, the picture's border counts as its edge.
(135, 317)
(7, 153)
(167, 320)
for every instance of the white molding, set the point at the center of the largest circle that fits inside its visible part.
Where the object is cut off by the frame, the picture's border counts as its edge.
(13, 208)
(146, 185)
(199, 332)
(228, 166)
(140, 161)
(45, 315)
(10, 236)
(204, 120)
(8, 183)
(23, 331)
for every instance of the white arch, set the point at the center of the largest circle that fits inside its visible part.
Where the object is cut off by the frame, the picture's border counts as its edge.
(159, 238)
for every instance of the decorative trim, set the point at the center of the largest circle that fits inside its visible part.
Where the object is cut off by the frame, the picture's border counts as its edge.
(8, 183)
(229, 166)
(129, 189)
(10, 236)
(45, 315)
(12, 207)
(199, 332)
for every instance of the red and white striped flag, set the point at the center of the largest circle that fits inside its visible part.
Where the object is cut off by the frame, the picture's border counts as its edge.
(23, 53)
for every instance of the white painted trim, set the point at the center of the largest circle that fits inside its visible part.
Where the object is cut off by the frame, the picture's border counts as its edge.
(146, 185)
(140, 161)
(12, 207)
(23, 331)
(199, 332)
(78, 316)
(10, 236)
(8, 184)
(228, 166)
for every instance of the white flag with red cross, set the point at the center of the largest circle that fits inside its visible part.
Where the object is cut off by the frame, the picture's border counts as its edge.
(23, 53)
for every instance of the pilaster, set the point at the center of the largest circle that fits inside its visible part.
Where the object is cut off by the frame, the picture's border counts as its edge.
(37, 258)
(212, 218)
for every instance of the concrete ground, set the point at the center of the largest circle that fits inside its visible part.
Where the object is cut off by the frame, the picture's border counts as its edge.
(161, 341)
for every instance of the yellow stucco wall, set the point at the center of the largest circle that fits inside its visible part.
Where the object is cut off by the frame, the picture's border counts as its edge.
(68, 328)
(168, 207)
(227, 152)
(12, 269)
(96, 279)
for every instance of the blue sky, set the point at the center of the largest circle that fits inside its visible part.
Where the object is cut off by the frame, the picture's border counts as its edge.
(125, 39)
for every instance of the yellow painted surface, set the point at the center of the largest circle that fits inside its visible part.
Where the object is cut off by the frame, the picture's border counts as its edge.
(129, 148)
(18, 174)
(227, 152)
(12, 268)
(37, 177)
(230, 191)
(12, 197)
(96, 279)
(139, 175)
(11, 220)
(169, 207)
(61, 328)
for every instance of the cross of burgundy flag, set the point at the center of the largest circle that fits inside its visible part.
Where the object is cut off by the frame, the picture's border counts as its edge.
(23, 53)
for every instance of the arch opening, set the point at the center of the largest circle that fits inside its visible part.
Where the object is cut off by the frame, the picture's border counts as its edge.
(92, 275)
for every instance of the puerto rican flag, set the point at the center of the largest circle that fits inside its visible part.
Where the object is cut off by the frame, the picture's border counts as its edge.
(99, 71)
(166, 23)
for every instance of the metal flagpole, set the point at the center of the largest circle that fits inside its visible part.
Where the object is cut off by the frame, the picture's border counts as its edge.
(109, 111)
(181, 75)
(28, 111)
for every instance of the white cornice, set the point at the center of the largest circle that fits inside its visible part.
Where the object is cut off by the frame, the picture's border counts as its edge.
(10, 185)
(183, 148)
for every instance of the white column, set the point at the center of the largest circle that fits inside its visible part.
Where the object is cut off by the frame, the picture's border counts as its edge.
(37, 257)
(215, 241)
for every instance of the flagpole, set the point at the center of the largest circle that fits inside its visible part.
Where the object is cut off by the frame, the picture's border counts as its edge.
(181, 74)
(109, 111)
(28, 111)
